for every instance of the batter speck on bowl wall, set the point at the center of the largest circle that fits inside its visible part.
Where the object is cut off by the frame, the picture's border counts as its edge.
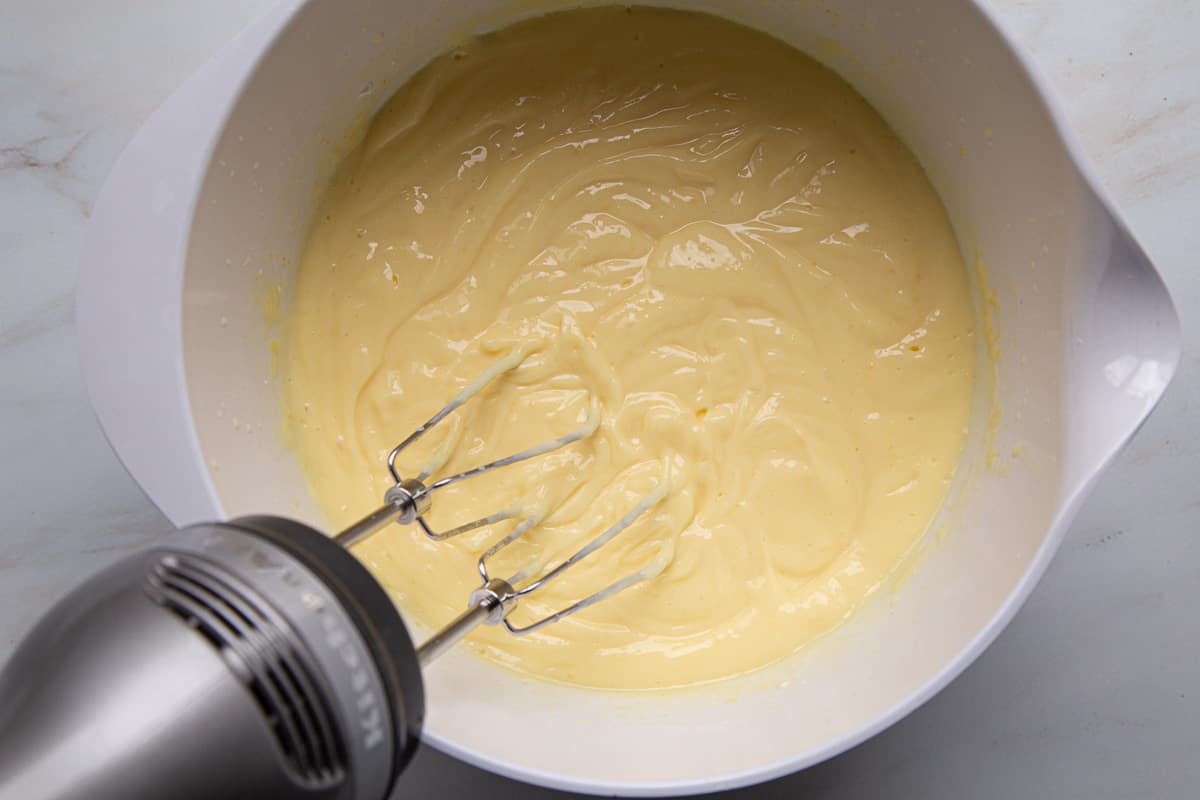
(699, 233)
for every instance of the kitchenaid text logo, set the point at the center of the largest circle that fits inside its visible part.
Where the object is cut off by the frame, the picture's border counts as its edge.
(370, 715)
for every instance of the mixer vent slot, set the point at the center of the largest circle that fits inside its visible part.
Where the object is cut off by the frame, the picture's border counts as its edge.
(259, 648)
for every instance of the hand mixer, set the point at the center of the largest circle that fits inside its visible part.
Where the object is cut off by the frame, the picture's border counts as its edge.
(257, 657)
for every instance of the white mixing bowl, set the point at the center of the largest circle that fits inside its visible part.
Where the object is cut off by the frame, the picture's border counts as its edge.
(204, 216)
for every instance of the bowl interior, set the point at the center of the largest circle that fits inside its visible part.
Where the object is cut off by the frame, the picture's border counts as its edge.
(962, 101)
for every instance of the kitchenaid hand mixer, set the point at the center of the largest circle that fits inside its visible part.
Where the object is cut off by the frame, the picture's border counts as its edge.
(257, 657)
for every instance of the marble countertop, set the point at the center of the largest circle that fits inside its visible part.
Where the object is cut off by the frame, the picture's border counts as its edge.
(1093, 691)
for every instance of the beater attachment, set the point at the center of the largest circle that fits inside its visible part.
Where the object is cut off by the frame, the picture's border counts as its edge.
(409, 500)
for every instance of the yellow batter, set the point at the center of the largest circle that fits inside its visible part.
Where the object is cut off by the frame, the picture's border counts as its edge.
(706, 234)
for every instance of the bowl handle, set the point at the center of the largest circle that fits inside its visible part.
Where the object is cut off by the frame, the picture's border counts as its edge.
(1123, 349)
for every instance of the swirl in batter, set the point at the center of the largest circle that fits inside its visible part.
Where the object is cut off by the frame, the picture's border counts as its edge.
(708, 235)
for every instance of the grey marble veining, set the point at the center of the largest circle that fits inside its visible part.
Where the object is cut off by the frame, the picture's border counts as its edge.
(1092, 692)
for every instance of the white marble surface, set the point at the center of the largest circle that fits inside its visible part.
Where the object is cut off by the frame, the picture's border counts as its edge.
(1093, 691)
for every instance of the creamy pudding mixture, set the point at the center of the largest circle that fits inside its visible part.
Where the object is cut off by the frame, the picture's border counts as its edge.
(702, 234)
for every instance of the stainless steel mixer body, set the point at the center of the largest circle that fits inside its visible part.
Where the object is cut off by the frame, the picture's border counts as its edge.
(255, 658)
